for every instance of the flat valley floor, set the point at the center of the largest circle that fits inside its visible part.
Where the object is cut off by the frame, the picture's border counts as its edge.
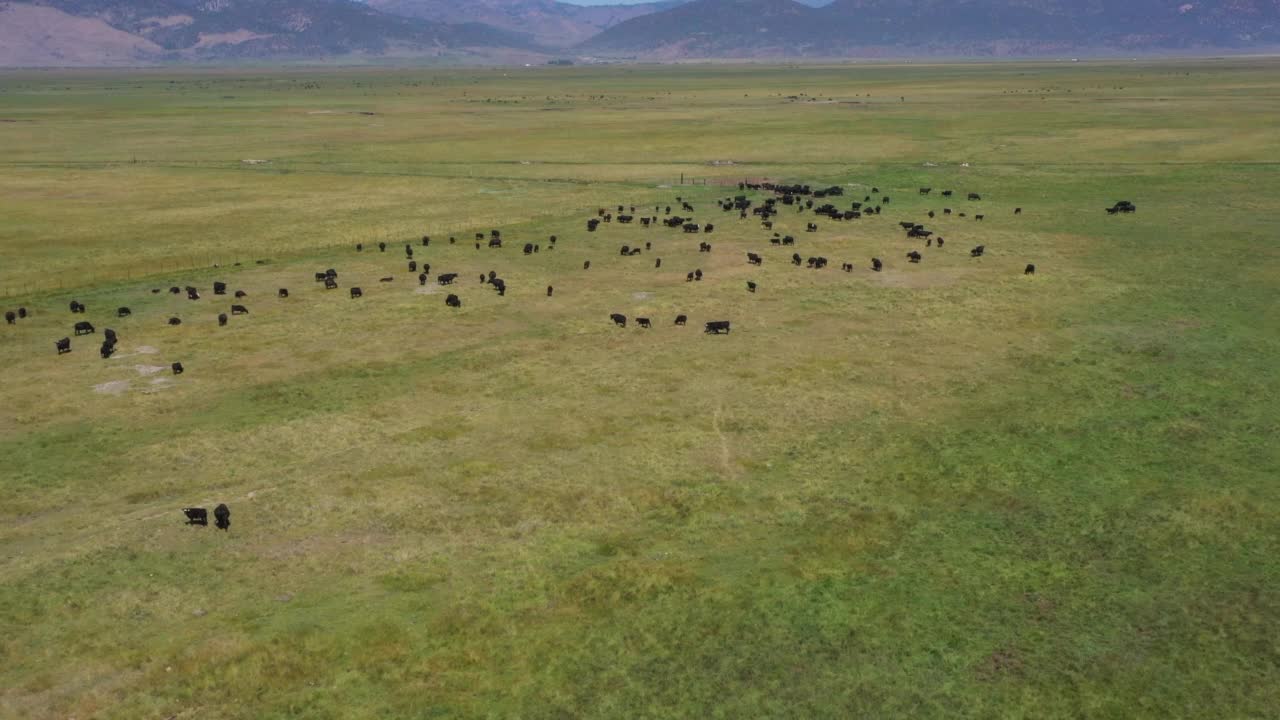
(946, 489)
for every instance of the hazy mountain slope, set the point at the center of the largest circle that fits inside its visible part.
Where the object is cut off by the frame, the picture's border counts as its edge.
(551, 23)
(750, 28)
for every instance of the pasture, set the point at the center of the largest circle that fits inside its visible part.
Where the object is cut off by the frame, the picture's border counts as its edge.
(944, 489)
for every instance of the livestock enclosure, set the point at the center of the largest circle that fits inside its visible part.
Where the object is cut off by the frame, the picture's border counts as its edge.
(948, 489)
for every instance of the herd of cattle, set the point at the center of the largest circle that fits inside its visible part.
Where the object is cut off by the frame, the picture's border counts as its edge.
(800, 197)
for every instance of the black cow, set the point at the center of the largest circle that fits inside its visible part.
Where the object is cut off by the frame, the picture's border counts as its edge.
(926, 191)
(717, 327)
(644, 322)
(586, 265)
(847, 267)
(446, 278)
(691, 227)
(811, 227)
(426, 240)
(946, 211)
(625, 250)
(175, 290)
(704, 247)
(382, 247)
(754, 259)
(63, 345)
(657, 263)
(193, 294)
(708, 228)
(330, 283)
(979, 217)
(751, 286)
(876, 265)
(550, 290)
(22, 313)
(767, 224)
(413, 266)
(174, 322)
(107, 350)
(592, 224)
(219, 288)
(408, 250)
(422, 278)
(946, 193)
(977, 251)
(940, 241)
(426, 268)
(320, 277)
(196, 516)
(619, 319)
(123, 312)
(796, 260)
(975, 196)
(356, 293)
(11, 317)
(1017, 211)
(110, 335)
(389, 278)
(697, 274)
(788, 240)
(1030, 269)
(682, 319)
(84, 328)
(914, 256)
(282, 292)
(528, 248)
(222, 319)
(239, 310)
(76, 307)
(177, 368)
(453, 301)
(500, 286)
(359, 247)
(222, 517)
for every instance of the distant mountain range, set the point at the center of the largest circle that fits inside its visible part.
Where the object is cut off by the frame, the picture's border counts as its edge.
(130, 32)
(783, 28)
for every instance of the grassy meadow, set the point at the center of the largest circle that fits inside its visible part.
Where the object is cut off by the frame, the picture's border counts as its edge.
(944, 490)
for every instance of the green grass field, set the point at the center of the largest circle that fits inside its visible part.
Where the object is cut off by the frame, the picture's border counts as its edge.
(940, 491)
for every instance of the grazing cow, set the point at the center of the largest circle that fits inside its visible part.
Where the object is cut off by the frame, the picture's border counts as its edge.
(1030, 269)
(619, 319)
(528, 248)
(22, 313)
(453, 301)
(931, 215)
(657, 263)
(697, 274)
(1017, 211)
(107, 350)
(177, 368)
(222, 517)
(174, 322)
(493, 274)
(847, 267)
(767, 224)
(408, 250)
(239, 310)
(446, 278)
(11, 317)
(422, 278)
(796, 260)
(63, 345)
(426, 240)
(884, 200)
(645, 221)
(876, 265)
(84, 328)
(552, 239)
(495, 243)
(946, 193)
(975, 196)
(222, 319)
(1124, 206)
(413, 266)
(979, 217)
(320, 277)
(624, 219)
(704, 247)
(550, 290)
(359, 247)
(175, 290)
(788, 240)
(914, 256)
(592, 224)
(754, 259)
(356, 293)
(708, 228)
(940, 241)
(688, 278)
(241, 293)
(625, 250)
(193, 294)
(330, 283)
(76, 307)
(682, 319)
(282, 293)
(775, 240)
(946, 211)
(110, 335)
(716, 327)
(426, 268)
(691, 227)
(977, 251)
(500, 286)
(811, 227)
(586, 265)
(123, 312)
(382, 247)
(751, 286)
(196, 516)
(389, 278)
(219, 288)
(644, 322)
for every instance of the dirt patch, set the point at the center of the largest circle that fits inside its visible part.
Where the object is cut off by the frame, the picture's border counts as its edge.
(424, 290)
(1002, 662)
(914, 279)
(145, 370)
(115, 387)
(641, 295)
